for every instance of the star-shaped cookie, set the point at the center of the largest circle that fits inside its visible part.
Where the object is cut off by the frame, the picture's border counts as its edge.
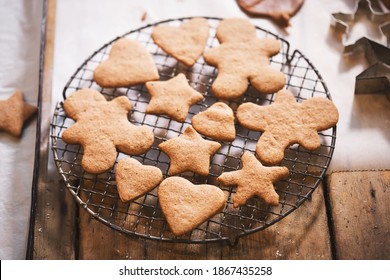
(102, 127)
(173, 97)
(286, 122)
(189, 152)
(254, 179)
(14, 112)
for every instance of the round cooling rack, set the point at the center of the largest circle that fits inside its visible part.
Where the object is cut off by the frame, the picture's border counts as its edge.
(143, 217)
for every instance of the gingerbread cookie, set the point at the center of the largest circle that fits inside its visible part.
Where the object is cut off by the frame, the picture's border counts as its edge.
(128, 64)
(134, 179)
(280, 11)
(102, 127)
(254, 179)
(242, 57)
(217, 122)
(186, 206)
(186, 42)
(286, 122)
(14, 112)
(189, 152)
(173, 97)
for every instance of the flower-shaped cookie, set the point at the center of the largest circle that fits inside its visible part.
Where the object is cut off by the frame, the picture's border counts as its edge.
(242, 57)
(102, 127)
(189, 152)
(254, 179)
(286, 122)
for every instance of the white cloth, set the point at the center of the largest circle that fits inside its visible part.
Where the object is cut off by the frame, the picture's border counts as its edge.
(19, 68)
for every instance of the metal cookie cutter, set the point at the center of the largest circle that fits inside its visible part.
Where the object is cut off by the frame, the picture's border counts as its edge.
(376, 78)
(374, 10)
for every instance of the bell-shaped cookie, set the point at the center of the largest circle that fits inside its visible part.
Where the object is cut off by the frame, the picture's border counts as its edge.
(217, 122)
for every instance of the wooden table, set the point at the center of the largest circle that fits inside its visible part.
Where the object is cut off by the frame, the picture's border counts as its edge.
(348, 216)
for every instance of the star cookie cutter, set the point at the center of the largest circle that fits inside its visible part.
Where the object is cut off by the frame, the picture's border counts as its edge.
(376, 78)
(374, 10)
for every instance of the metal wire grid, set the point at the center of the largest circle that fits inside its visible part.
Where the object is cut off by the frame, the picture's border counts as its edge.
(143, 217)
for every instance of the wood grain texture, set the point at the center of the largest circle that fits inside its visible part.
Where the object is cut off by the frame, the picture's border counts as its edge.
(360, 210)
(99, 242)
(53, 204)
(301, 235)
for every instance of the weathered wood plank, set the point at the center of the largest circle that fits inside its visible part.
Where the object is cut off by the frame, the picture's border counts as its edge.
(53, 207)
(361, 214)
(302, 235)
(99, 242)
(178, 251)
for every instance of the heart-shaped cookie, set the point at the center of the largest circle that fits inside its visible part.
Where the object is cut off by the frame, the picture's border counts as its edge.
(186, 206)
(217, 122)
(129, 63)
(186, 42)
(134, 179)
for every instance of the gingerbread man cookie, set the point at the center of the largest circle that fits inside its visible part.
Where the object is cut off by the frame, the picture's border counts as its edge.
(286, 122)
(242, 57)
(102, 127)
(254, 179)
